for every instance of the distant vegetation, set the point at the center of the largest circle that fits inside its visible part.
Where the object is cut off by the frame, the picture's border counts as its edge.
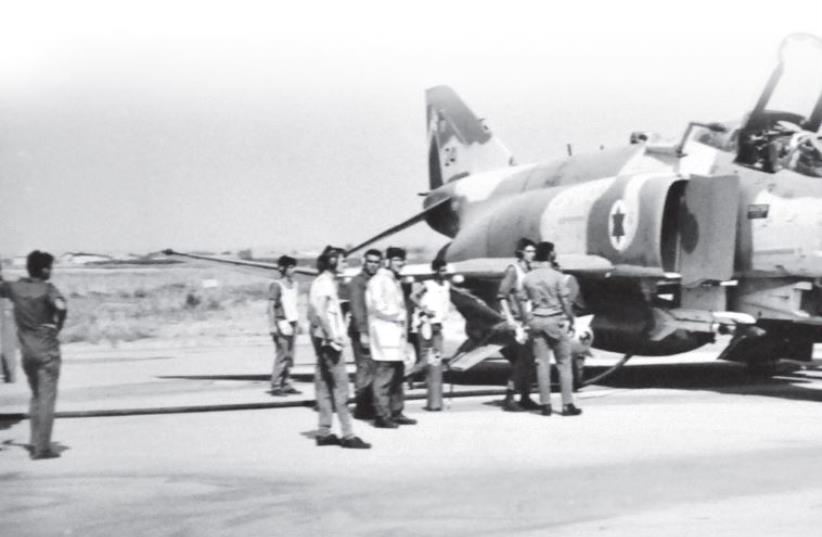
(126, 304)
(127, 300)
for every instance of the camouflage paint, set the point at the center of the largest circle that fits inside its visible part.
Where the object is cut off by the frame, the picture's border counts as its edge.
(635, 206)
(637, 231)
(460, 144)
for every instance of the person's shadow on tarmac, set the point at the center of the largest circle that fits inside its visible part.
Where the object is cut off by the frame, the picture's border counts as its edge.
(8, 423)
(56, 447)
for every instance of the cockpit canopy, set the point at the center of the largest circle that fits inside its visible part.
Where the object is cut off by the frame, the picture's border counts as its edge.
(782, 131)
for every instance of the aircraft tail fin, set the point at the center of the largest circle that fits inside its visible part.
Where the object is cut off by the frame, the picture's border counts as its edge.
(459, 143)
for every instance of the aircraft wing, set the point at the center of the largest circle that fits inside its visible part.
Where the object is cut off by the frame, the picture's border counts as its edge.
(256, 267)
(494, 267)
(808, 321)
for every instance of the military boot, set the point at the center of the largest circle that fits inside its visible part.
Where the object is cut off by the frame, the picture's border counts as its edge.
(509, 404)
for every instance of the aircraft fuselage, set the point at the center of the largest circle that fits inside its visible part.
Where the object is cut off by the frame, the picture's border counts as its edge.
(699, 216)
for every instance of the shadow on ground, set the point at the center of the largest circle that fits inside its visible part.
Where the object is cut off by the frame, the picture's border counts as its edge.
(721, 377)
(7, 423)
(56, 447)
(485, 374)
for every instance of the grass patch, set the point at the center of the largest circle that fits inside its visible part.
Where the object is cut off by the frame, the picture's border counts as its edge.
(126, 304)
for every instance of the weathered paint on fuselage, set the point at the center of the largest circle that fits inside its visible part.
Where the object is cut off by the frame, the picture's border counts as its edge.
(779, 227)
(611, 204)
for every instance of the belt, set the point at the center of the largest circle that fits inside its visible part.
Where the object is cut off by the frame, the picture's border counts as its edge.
(547, 314)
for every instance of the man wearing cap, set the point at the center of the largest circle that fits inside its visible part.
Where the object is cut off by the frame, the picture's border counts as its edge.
(282, 325)
(328, 337)
(388, 332)
(550, 321)
(358, 332)
(39, 311)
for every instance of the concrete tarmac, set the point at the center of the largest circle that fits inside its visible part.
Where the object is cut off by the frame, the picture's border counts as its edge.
(694, 447)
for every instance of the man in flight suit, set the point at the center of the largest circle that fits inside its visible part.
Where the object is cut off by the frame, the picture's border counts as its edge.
(550, 321)
(518, 353)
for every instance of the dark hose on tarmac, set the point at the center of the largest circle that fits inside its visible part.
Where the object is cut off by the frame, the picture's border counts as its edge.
(608, 372)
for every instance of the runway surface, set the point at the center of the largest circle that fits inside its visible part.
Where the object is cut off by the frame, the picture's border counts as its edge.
(694, 447)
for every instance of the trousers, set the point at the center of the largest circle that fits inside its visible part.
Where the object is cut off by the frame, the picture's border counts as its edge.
(331, 386)
(364, 376)
(389, 391)
(549, 334)
(283, 360)
(42, 376)
(521, 359)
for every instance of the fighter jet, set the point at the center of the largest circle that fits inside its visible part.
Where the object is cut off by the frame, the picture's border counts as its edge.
(718, 231)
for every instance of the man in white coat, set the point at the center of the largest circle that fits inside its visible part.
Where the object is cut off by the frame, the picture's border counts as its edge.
(388, 332)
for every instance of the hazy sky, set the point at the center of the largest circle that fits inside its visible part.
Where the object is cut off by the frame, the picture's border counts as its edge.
(134, 126)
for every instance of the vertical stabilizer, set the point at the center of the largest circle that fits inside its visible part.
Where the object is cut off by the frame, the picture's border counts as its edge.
(459, 143)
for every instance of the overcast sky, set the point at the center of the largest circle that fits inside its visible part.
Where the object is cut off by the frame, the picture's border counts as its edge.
(134, 126)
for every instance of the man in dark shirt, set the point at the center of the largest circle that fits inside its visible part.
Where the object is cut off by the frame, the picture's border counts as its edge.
(358, 332)
(39, 311)
(550, 319)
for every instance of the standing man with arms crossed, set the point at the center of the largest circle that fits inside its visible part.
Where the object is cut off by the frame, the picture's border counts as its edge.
(518, 354)
(550, 321)
(282, 324)
(40, 311)
(358, 332)
(388, 333)
(328, 336)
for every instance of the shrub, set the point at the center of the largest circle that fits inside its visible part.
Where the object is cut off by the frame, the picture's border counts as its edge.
(192, 301)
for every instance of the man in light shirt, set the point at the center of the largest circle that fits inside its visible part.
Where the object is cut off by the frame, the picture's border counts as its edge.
(282, 324)
(388, 336)
(328, 337)
(433, 298)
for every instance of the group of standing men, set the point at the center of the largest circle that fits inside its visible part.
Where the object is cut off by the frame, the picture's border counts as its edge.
(379, 328)
(536, 302)
(534, 299)
(533, 294)
(378, 331)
